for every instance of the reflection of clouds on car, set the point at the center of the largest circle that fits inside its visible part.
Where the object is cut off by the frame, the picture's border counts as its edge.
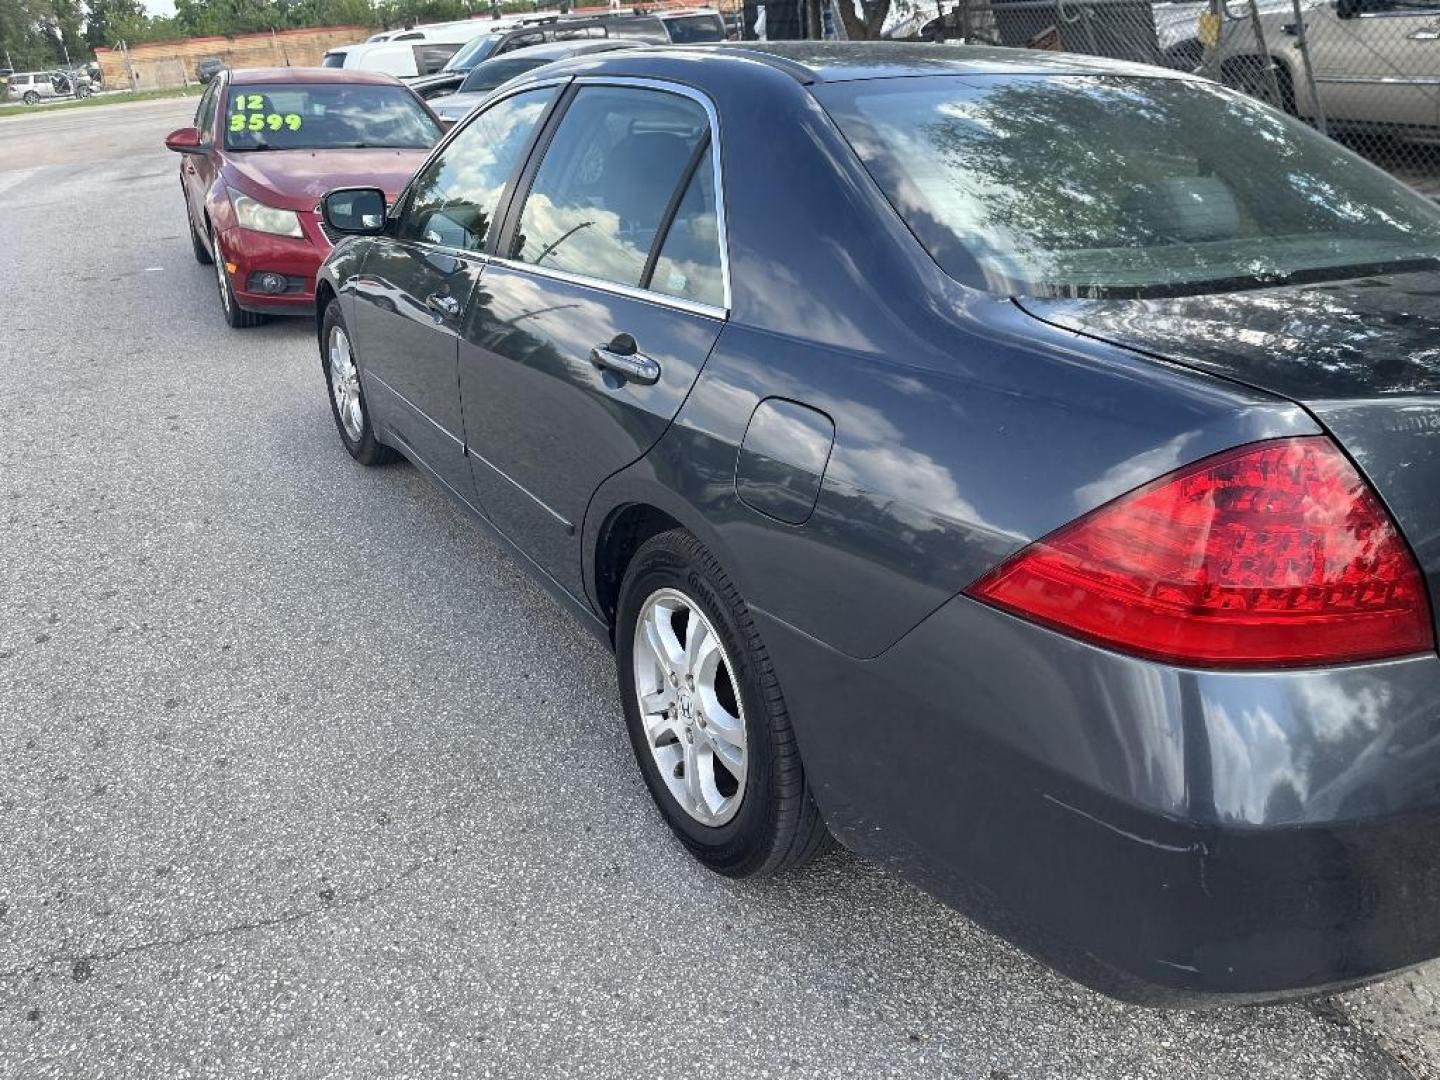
(453, 198)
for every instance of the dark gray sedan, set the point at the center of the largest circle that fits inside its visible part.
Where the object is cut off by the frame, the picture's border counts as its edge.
(1021, 467)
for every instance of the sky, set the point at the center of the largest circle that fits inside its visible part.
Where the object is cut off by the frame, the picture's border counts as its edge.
(160, 7)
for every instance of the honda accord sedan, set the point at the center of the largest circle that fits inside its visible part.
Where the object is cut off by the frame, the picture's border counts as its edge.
(265, 146)
(1020, 467)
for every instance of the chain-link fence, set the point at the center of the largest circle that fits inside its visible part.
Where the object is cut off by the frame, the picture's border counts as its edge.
(1365, 71)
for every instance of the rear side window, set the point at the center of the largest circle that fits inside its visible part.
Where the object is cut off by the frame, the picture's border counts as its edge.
(454, 199)
(571, 33)
(520, 41)
(432, 56)
(688, 264)
(692, 29)
(600, 196)
(643, 29)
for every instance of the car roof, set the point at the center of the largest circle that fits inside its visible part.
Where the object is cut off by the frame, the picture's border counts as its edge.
(563, 50)
(307, 76)
(833, 61)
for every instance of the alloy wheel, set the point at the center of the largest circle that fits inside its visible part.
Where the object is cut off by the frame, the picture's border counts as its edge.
(345, 384)
(690, 707)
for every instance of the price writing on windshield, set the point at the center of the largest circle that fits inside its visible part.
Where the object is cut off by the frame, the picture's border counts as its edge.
(250, 115)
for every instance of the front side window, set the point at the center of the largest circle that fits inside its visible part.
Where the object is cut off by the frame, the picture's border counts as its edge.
(600, 195)
(326, 117)
(205, 114)
(478, 50)
(454, 200)
(1118, 186)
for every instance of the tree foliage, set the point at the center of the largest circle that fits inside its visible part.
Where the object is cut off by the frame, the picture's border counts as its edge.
(37, 34)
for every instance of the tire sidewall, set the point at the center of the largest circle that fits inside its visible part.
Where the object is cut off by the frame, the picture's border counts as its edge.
(729, 846)
(367, 449)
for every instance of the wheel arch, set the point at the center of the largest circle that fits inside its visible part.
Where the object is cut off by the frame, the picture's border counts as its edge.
(629, 509)
(324, 293)
(625, 528)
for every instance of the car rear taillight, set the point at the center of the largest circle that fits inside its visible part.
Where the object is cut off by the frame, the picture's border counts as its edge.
(1276, 554)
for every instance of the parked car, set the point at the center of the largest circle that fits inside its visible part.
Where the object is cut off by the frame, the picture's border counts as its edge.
(1376, 63)
(208, 67)
(688, 27)
(487, 76)
(33, 87)
(265, 145)
(1021, 464)
(422, 51)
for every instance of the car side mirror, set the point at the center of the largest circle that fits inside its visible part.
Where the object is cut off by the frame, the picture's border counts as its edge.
(185, 141)
(356, 211)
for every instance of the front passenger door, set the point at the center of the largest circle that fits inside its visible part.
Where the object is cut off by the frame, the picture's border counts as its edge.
(414, 285)
(595, 318)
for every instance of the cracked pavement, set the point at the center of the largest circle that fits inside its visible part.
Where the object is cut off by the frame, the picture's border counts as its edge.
(301, 776)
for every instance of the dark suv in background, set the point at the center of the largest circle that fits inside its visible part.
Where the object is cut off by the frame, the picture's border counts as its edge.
(689, 27)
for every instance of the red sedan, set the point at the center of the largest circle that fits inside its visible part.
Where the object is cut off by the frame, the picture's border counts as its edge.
(266, 145)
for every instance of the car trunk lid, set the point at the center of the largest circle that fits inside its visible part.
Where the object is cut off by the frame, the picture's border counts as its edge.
(1363, 356)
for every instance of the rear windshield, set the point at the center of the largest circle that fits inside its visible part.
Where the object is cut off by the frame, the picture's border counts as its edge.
(1106, 186)
(325, 117)
(494, 72)
(333, 60)
(690, 29)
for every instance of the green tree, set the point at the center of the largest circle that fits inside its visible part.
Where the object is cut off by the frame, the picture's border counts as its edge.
(107, 20)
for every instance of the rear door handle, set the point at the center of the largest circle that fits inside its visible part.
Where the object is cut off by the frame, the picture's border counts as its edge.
(634, 366)
(445, 306)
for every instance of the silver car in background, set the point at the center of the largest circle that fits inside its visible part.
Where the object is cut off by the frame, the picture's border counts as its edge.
(1376, 63)
(33, 87)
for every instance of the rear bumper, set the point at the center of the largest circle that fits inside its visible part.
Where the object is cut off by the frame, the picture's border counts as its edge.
(1163, 835)
(298, 258)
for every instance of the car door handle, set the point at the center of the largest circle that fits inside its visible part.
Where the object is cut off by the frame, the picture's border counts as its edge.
(445, 306)
(634, 366)
(1425, 35)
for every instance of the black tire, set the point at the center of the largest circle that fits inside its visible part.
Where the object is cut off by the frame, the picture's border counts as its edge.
(236, 317)
(31, 98)
(777, 825)
(364, 447)
(202, 253)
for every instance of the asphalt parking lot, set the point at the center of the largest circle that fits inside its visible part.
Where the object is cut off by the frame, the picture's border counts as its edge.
(301, 776)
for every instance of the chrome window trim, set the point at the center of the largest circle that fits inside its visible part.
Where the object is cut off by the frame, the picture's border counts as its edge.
(601, 285)
(722, 226)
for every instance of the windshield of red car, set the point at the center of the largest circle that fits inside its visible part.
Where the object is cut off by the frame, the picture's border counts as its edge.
(1119, 186)
(325, 117)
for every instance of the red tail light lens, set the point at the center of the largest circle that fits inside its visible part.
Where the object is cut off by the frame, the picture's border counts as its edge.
(1276, 554)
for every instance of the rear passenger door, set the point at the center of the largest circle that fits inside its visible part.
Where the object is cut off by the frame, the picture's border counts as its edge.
(597, 311)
